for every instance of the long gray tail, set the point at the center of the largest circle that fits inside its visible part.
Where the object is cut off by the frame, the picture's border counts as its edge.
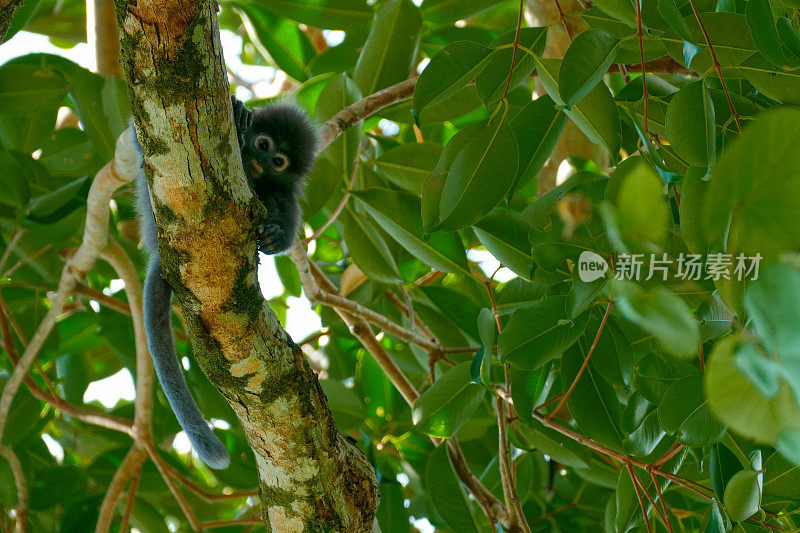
(157, 300)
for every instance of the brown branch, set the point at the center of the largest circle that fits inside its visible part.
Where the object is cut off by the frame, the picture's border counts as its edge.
(123, 527)
(22, 488)
(351, 114)
(95, 237)
(25, 260)
(82, 290)
(634, 480)
(331, 219)
(585, 359)
(10, 248)
(716, 65)
(130, 467)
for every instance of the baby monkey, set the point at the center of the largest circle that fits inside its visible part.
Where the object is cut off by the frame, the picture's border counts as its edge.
(278, 143)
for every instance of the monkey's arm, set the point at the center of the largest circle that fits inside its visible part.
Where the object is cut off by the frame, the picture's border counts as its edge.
(156, 308)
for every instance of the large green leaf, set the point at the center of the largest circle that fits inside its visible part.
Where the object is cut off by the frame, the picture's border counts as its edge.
(480, 176)
(505, 234)
(764, 32)
(330, 14)
(409, 164)
(446, 493)
(585, 63)
(368, 248)
(448, 403)
(449, 11)
(661, 313)
(690, 124)
(596, 114)
(685, 411)
(29, 88)
(743, 495)
(539, 333)
(593, 402)
(655, 373)
(391, 48)
(453, 68)
(398, 213)
(537, 128)
(277, 39)
(492, 82)
(751, 204)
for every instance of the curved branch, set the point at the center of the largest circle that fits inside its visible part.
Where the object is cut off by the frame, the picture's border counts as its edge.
(95, 237)
(22, 488)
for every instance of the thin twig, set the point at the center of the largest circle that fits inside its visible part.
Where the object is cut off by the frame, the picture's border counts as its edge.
(123, 527)
(717, 66)
(14, 240)
(632, 474)
(331, 219)
(640, 36)
(586, 359)
(24, 260)
(516, 47)
(22, 488)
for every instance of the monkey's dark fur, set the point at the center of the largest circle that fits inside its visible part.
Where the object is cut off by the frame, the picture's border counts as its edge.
(278, 145)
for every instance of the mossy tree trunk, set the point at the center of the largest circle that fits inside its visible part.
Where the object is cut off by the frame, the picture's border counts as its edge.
(311, 478)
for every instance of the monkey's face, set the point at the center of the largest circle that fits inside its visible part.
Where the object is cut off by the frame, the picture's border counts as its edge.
(279, 148)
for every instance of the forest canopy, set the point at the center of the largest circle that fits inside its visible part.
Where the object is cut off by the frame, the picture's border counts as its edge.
(552, 247)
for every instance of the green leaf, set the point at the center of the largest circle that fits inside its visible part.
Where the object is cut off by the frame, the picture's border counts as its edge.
(585, 63)
(537, 127)
(561, 448)
(449, 11)
(593, 402)
(722, 466)
(14, 189)
(685, 411)
(596, 114)
(739, 404)
(277, 39)
(783, 86)
(743, 495)
(408, 165)
(654, 373)
(391, 48)
(668, 9)
(330, 14)
(28, 88)
(641, 213)
(662, 313)
(448, 403)
(751, 205)
(528, 388)
(773, 303)
(505, 234)
(764, 32)
(728, 33)
(622, 10)
(347, 407)
(457, 306)
(397, 212)
(691, 125)
(480, 176)
(539, 333)
(492, 82)
(453, 68)
(367, 247)
(446, 493)
(392, 514)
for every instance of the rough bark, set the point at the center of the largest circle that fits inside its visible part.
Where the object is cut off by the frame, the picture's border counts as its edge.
(311, 478)
(7, 9)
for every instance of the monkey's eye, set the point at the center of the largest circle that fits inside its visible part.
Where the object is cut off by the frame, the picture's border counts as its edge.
(264, 143)
(279, 162)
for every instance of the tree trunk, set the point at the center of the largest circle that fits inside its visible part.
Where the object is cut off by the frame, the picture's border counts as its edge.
(310, 477)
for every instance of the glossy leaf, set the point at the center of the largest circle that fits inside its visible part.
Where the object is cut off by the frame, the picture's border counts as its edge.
(585, 63)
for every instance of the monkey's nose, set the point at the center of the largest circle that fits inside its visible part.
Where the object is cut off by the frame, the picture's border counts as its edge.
(257, 168)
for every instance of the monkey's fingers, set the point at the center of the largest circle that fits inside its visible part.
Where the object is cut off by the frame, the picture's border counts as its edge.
(272, 239)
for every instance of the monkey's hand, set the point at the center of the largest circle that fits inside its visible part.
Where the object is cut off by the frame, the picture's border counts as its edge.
(242, 117)
(273, 239)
